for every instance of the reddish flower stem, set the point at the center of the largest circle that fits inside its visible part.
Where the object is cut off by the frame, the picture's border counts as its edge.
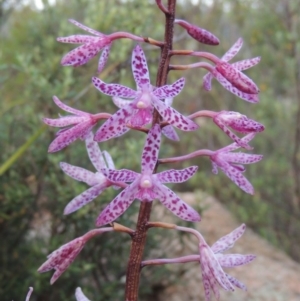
(139, 236)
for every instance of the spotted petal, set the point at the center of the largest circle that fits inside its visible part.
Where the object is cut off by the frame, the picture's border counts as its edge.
(168, 91)
(236, 282)
(94, 152)
(88, 29)
(66, 108)
(170, 133)
(85, 198)
(118, 205)
(241, 158)
(178, 207)
(227, 241)
(234, 260)
(120, 102)
(246, 64)
(116, 125)
(140, 68)
(176, 176)
(207, 78)
(76, 39)
(104, 57)
(151, 149)
(113, 89)
(122, 175)
(234, 49)
(173, 117)
(63, 121)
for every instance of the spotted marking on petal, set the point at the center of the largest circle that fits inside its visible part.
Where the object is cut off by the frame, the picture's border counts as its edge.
(176, 176)
(170, 133)
(94, 152)
(118, 205)
(88, 29)
(120, 102)
(234, 260)
(103, 58)
(246, 64)
(63, 121)
(170, 90)
(235, 48)
(85, 197)
(76, 39)
(253, 98)
(113, 89)
(173, 117)
(122, 175)
(151, 149)
(79, 173)
(177, 206)
(237, 283)
(115, 126)
(66, 108)
(226, 242)
(140, 67)
(68, 136)
(207, 78)
(241, 158)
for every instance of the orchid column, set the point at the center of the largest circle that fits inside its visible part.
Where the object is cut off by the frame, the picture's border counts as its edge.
(148, 109)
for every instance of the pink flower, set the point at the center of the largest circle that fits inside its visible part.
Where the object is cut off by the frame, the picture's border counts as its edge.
(212, 260)
(230, 163)
(138, 112)
(60, 259)
(148, 186)
(82, 124)
(239, 123)
(79, 295)
(230, 77)
(92, 45)
(199, 34)
(98, 181)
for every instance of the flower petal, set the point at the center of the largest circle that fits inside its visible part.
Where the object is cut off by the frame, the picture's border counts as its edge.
(168, 91)
(82, 54)
(76, 39)
(207, 78)
(122, 175)
(85, 197)
(246, 64)
(104, 57)
(120, 102)
(140, 68)
(66, 108)
(115, 126)
(241, 158)
(170, 133)
(88, 29)
(63, 121)
(173, 117)
(109, 160)
(79, 295)
(176, 176)
(177, 206)
(94, 152)
(236, 282)
(227, 241)
(235, 48)
(151, 149)
(234, 146)
(234, 260)
(113, 89)
(118, 205)
(141, 117)
(79, 174)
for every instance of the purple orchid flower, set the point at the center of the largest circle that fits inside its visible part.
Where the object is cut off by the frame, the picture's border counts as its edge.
(92, 45)
(212, 260)
(139, 111)
(230, 163)
(168, 130)
(60, 259)
(221, 73)
(82, 122)
(79, 295)
(199, 34)
(148, 186)
(239, 123)
(98, 181)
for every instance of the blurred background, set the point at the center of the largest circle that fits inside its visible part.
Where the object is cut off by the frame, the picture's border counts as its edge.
(33, 189)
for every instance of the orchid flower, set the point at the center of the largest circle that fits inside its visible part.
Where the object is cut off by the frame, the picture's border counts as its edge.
(139, 111)
(230, 163)
(220, 72)
(79, 295)
(239, 123)
(212, 260)
(92, 45)
(60, 259)
(199, 34)
(148, 186)
(98, 181)
(168, 130)
(82, 125)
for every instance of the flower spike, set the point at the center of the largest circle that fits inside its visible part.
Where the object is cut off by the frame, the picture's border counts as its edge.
(138, 111)
(148, 186)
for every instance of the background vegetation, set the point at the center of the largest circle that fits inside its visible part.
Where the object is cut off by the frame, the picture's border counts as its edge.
(33, 189)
